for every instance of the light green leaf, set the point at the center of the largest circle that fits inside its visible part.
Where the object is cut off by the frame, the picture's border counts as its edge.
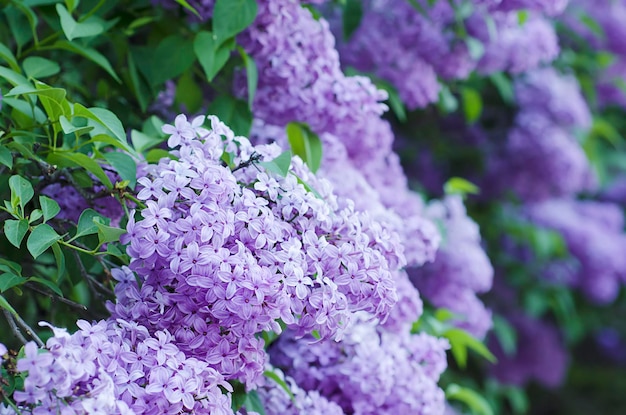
(189, 7)
(232, 16)
(211, 54)
(460, 341)
(253, 403)
(506, 335)
(15, 230)
(74, 29)
(9, 57)
(522, 17)
(447, 101)
(89, 53)
(458, 185)
(5, 304)
(280, 381)
(40, 239)
(8, 281)
(475, 48)
(471, 398)
(352, 14)
(252, 75)
(108, 233)
(472, 104)
(24, 107)
(142, 141)
(49, 207)
(21, 191)
(55, 288)
(68, 159)
(37, 67)
(35, 215)
(106, 118)
(306, 144)
(280, 165)
(6, 157)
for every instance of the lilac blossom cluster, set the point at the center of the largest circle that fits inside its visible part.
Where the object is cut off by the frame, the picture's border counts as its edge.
(609, 17)
(542, 156)
(224, 252)
(117, 367)
(593, 233)
(412, 47)
(372, 371)
(300, 79)
(540, 355)
(461, 268)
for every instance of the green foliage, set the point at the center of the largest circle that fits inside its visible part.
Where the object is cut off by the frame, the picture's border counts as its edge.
(305, 144)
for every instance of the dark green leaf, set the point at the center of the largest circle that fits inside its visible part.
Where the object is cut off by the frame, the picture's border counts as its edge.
(89, 53)
(189, 94)
(306, 144)
(351, 16)
(15, 230)
(280, 165)
(142, 91)
(49, 207)
(447, 101)
(171, 58)
(506, 335)
(37, 67)
(233, 112)
(59, 258)
(55, 288)
(5, 304)
(504, 87)
(8, 57)
(253, 403)
(232, 16)
(124, 165)
(40, 239)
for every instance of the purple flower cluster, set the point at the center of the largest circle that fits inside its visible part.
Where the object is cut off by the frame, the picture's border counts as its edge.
(372, 371)
(593, 232)
(276, 400)
(411, 48)
(224, 252)
(540, 354)
(300, 79)
(117, 367)
(461, 268)
(542, 157)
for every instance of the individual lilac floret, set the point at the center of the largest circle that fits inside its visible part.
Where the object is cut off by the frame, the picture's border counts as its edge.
(114, 367)
(461, 268)
(594, 237)
(371, 371)
(540, 355)
(226, 247)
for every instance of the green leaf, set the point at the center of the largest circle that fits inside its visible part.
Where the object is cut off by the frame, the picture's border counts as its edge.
(74, 29)
(8, 281)
(306, 144)
(5, 304)
(522, 17)
(59, 258)
(68, 159)
(280, 381)
(87, 223)
(108, 233)
(351, 17)
(35, 215)
(6, 157)
(447, 101)
(211, 54)
(89, 53)
(157, 154)
(171, 58)
(15, 230)
(504, 86)
(106, 118)
(252, 75)
(189, 7)
(458, 185)
(232, 112)
(124, 165)
(472, 104)
(142, 141)
(142, 91)
(49, 207)
(40, 239)
(55, 288)
(189, 94)
(69, 128)
(34, 113)
(37, 67)
(460, 341)
(13, 77)
(253, 403)
(471, 398)
(71, 4)
(475, 48)
(506, 335)
(280, 165)
(232, 16)
(9, 57)
(21, 191)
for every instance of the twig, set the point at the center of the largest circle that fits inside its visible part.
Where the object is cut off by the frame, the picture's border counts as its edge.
(91, 281)
(12, 319)
(58, 298)
(28, 329)
(14, 328)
